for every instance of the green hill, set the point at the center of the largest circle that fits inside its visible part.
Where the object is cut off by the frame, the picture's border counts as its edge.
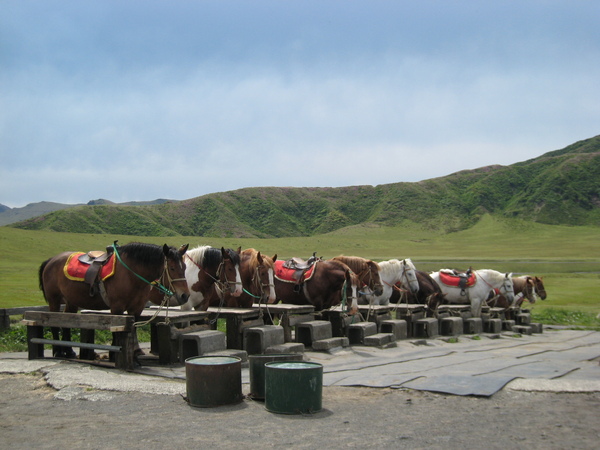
(561, 187)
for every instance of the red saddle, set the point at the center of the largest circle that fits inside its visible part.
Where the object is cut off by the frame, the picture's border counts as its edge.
(292, 275)
(450, 279)
(75, 269)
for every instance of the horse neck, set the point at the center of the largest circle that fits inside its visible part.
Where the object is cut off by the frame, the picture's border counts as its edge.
(491, 277)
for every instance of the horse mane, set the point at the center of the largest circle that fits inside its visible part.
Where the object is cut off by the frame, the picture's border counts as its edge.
(235, 256)
(205, 256)
(356, 263)
(253, 253)
(150, 254)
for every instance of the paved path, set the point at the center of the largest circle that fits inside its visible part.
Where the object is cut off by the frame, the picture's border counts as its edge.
(556, 361)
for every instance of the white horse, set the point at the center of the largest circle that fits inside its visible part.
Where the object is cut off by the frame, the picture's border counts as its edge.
(209, 270)
(392, 272)
(476, 294)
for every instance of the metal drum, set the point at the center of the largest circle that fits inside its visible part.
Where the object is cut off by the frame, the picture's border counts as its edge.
(293, 387)
(213, 380)
(257, 370)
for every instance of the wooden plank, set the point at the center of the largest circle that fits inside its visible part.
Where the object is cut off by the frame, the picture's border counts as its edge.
(108, 348)
(73, 320)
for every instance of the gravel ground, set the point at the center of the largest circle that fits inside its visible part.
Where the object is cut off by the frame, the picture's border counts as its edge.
(34, 415)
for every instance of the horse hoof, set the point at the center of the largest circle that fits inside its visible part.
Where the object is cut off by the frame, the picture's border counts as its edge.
(70, 354)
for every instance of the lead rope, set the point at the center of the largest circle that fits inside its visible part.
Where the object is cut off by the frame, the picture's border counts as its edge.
(164, 300)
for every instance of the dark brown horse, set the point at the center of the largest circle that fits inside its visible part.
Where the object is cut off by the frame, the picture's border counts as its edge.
(429, 293)
(367, 272)
(256, 271)
(331, 283)
(136, 266)
(210, 273)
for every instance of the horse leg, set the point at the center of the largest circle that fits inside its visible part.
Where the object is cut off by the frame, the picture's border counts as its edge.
(67, 352)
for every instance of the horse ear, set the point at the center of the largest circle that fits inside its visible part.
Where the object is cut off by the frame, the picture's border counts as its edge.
(166, 249)
(239, 250)
(259, 258)
(224, 253)
(274, 258)
(183, 249)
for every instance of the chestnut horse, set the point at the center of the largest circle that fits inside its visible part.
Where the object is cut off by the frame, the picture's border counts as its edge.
(429, 294)
(367, 272)
(137, 265)
(258, 280)
(210, 272)
(525, 288)
(331, 283)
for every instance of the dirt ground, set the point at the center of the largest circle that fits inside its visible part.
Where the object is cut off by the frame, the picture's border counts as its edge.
(32, 415)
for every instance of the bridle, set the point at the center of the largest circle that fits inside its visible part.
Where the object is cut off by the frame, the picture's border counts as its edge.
(220, 285)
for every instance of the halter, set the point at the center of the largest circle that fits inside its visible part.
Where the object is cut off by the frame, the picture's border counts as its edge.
(219, 284)
(256, 281)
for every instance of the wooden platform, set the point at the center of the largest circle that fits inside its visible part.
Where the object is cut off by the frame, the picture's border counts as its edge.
(289, 315)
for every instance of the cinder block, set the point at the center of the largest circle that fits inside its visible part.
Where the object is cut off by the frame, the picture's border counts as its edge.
(473, 325)
(451, 326)
(523, 329)
(358, 331)
(201, 342)
(314, 330)
(508, 325)
(242, 354)
(523, 319)
(537, 327)
(379, 339)
(492, 326)
(257, 339)
(288, 347)
(397, 327)
(427, 328)
(328, 344)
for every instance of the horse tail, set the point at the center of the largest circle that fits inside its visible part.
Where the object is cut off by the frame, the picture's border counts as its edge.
(41, 277)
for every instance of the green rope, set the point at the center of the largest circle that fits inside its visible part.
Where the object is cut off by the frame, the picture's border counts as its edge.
(156, 283)
(251, 295)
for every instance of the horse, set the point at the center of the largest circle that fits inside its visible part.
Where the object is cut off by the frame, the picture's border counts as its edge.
(328, 283)
(476, 289)
(211, 272)
(134, 267)
(393, 272)
(256, 272)
(525, 288)
(367, 272)
(429, 293)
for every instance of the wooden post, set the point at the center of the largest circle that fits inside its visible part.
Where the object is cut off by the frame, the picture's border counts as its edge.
(35, 351)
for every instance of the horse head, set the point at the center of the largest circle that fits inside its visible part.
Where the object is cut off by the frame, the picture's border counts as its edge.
(174, 274)
(351, 285)
(374, 279)
(410, 276)
(229, 271)
(264, 277)
(508, 287)
(539, 287)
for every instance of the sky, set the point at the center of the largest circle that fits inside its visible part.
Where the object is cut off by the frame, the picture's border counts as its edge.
(137, 100)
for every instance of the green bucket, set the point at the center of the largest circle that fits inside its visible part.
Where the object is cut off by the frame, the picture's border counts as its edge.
(256, 366)
(293, 387)
(213, 380)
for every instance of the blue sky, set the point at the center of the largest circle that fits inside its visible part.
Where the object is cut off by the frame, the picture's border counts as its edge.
(137, 100)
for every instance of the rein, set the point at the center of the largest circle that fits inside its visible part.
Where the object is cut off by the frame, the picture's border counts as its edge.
(156, 283)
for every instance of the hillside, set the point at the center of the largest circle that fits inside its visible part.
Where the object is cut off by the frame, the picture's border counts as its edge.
(559, 187)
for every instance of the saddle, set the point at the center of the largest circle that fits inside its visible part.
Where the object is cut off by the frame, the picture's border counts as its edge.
(95, 260)
(297, 270)
(462, 280)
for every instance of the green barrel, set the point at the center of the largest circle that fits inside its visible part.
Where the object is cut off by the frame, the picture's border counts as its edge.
(213, 380)
(256, 366)
(293, 387)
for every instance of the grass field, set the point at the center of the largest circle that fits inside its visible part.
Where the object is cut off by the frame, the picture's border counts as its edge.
(567, 257)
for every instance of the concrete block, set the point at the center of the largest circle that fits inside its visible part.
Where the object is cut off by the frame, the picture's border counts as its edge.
(328, 344)
(537, 327)
(523, 319)
(358, 331)
(199, 343)
(288, 347)
(508, 325)
(473, 325)
(451, 326)
(242, 354)
(379, 339)
(492, 326)
(428, 327)
(257, 339)
(314, 330)
(523, 329)
(398, 327)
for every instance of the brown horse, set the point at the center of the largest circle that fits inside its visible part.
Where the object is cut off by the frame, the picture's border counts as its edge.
(256, 271)
(429, 293)
(137, 265)
(331, 283)
(210, 273)
(525, 287)
(367, 272)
